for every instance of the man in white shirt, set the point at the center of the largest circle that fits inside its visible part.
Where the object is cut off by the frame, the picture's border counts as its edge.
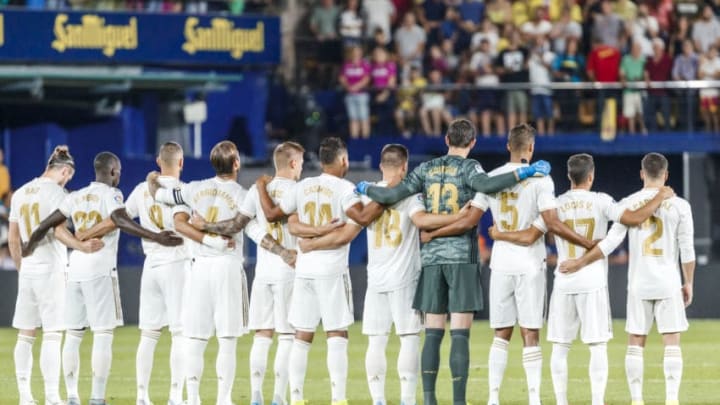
(580, 301)
(656, 291)
(92, 296)
(216, 293)
(41, 276)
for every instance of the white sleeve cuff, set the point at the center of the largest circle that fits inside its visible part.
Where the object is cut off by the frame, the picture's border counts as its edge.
(255, 232)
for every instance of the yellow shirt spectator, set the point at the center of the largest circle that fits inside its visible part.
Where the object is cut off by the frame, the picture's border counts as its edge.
(556, 7)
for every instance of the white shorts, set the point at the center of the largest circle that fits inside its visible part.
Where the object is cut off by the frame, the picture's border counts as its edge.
(669, 313)
(161, 296)
(40, 302)
(517, 298)
(269, 306)
(632, 105)
(327, 299)
(216, 298)
(588, 312)
(94, 303)
(382, 309)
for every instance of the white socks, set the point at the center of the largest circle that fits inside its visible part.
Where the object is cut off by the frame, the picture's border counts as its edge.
(297, 367)
(194, 363)
(71, 361)
(144, 362)
(497, 361)
(376, 367)
(337, 364)
(258, 364)
(177, 367)
(559, 371)
(532, 363)
(101, 361)
(282, 358)
(23, 366)
(50, 365)
(673, 367)
(225, 366)
(598, 370)
(634, 371)
(408, 365)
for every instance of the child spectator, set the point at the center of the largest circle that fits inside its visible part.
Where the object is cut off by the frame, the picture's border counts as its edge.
(355, 79)
(437, 60)
(710, 70)
(481, 65)
(632, 69)
(512, 67)
(451, 59)
(433, 111)
(384, 80)
(540, 75)
(407, 100)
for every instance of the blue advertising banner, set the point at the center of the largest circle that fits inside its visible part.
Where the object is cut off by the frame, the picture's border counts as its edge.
(155, 39)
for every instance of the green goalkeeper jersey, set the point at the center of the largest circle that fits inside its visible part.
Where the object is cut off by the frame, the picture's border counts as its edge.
(447, 183)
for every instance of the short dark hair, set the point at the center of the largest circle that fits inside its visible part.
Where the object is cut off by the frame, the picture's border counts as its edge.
(285, 152)
(223, 156)
(170, 152)
(654, 165)
(61, 157)
(521, 136)
(394, 155)
(580, 167)
(461, 133)
(105, 161)
(330, 149)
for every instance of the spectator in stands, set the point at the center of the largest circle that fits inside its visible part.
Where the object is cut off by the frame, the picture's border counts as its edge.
(658, 68)
(512, 67)
(663, 11)
(487, 31)
(709, 69)
(685, 67)
(5, 183)
(537, 27)
(450, 26)
(557, 8)
(539, 66)
(565, 29)
(451, 59)
(643, 30)
(569, 67)
(410, 41)
(433, 111)
(632, 69)
(679, 36)
(323, 21)
(351, 24)
(706, 31)
(626, 10)
(436, 61)
(499, 11)
(431, 14)
(481, 65)
(406, 110)
(355, 79)
(381, 41)
(380, 15)
(384, 81)
(603, 66)
(608, 26)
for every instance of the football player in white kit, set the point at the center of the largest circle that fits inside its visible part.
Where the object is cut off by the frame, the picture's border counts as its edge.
(216, 288)
(272, 285)
(656, 291)
(579, 301)
(517, 280)
(92, 288)
(41, 278)
(393, 272)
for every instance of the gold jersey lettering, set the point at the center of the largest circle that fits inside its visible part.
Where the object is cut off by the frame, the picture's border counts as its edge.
(222, 36)
(93, 33)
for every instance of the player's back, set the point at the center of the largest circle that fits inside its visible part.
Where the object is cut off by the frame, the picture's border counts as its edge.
(86, 208)
(394, 246)
(588, 213)
(31, 204)
(216, 200)
(655, 246)
(270, 267)
(516, 208)
(446, 191)
(318, 201)
(156, 217)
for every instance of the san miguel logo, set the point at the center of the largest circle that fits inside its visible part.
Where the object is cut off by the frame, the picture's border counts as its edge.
(222, 36)
(93, 33)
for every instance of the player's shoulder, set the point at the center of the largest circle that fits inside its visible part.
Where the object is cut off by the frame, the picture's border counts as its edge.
(681, 203)
(140, 188)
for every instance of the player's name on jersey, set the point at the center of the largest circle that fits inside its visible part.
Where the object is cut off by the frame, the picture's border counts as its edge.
(318, 189)
(214, 192)
(447, 170)
(576, 205)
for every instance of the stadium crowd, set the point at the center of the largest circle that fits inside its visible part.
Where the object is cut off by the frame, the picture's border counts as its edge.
(154, 6)
(390, 45)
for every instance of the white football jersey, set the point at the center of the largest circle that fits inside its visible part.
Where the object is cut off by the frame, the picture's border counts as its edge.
(30, 205)
(588, 213)
(86, 208)
(216, 200)
(270, 267)
(394, 245)
(513, 209)
(157, 217)
(656, 247)
(318, 201)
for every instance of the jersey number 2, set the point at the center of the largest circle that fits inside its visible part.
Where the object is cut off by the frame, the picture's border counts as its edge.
(648, 250)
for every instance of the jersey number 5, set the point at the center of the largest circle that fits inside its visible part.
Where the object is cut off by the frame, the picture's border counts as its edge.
(507, 208)
(449, 192)
(387, 229)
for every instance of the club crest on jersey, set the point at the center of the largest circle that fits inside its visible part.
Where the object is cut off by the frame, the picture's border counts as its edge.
(118, 198)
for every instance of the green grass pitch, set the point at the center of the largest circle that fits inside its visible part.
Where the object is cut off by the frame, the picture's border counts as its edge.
(701, 379)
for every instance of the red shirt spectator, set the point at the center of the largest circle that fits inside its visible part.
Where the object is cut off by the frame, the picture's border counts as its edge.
(603, 64)
(658, 68)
